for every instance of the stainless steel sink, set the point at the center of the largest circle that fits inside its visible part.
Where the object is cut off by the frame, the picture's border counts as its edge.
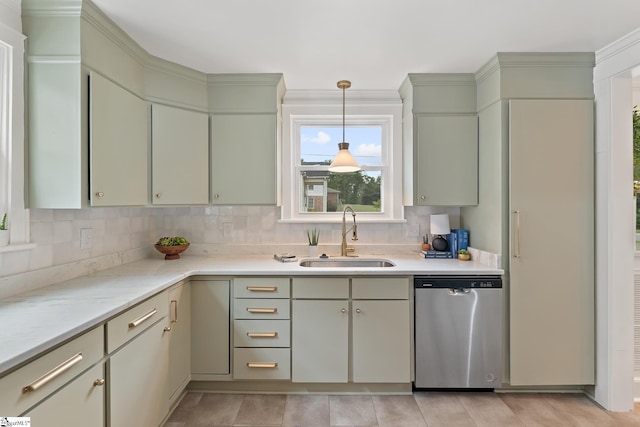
(346, 262)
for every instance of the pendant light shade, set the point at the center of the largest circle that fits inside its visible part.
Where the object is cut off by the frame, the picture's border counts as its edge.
(344, 162)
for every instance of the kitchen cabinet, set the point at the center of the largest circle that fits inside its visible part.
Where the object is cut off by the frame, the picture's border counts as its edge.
(119, 145)
(180, 156)
(446, 160)
(71, 373)
(210, 323)
(138, 364)
(378, 310)
(178, 332)
(551, 199)
(84, 395)
(261, 328)
(440, 130)
(243, 159)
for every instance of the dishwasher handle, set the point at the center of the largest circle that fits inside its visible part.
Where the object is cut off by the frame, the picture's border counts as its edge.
(459, 291)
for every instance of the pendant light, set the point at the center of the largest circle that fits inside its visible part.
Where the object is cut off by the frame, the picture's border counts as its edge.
(344, 161)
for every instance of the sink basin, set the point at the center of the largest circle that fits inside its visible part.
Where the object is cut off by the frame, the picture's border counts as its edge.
(346, 262)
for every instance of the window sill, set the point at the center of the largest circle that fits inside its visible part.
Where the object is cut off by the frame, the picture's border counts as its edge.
(17, 247)
(360, 219)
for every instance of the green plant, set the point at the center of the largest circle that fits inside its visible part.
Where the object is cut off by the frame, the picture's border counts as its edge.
(313, 236)
(425, 239)
(3, 223)
(463, 252)
(172, 241)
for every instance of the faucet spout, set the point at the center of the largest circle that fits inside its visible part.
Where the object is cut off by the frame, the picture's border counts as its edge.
(354, 228)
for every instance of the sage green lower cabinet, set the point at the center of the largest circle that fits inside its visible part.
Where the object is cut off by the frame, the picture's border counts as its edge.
(351, 330)
(243, 159)
(138, 364)
(210, 322)
(79, 404)
(179, 335)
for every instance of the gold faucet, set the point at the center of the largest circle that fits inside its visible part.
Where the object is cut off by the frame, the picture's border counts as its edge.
(344, 251)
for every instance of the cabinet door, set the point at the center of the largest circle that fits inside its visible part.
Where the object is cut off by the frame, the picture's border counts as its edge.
(243, 159)
(209, 328)
(138, 379)
(551, 263)
(381, 341)
(320, 341)
(79, 404)
(446, 160)
(119, 141)
(180, 156)
(179, 340)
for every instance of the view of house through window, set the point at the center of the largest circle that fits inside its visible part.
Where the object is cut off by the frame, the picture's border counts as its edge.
(329, 192)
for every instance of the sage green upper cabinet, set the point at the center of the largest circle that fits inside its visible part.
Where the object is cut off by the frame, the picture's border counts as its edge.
(180, 156)
(441, 130)
(119, 145)
(245, 134)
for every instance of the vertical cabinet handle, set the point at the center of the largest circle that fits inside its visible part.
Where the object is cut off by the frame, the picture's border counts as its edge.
(516, 252)
(173, 315)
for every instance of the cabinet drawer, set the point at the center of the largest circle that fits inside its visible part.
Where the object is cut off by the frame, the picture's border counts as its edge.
(261, 333)
(261, 364)
(380, 288)
(261, 287)
(59, 365)
(135, 320)
(250, 308)
(321, 287)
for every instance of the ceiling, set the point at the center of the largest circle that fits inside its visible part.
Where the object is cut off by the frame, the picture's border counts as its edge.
(373, 43)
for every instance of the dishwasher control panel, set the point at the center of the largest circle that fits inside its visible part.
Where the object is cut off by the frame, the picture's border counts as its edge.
(457, 282)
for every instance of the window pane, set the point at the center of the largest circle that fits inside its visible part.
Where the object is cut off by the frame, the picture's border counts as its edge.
(329, 192)
(319, 144)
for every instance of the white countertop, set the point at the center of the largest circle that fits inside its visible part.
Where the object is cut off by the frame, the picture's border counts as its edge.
(36, 321)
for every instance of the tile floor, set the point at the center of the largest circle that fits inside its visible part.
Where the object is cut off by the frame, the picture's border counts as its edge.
(422, 409)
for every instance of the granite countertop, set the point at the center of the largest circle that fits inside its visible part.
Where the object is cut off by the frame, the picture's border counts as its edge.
(36, 321)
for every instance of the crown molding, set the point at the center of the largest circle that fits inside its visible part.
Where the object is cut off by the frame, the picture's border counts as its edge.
(333, 97)
(546, 59)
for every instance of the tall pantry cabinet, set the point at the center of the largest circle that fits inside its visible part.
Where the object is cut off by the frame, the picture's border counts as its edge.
(536, 208)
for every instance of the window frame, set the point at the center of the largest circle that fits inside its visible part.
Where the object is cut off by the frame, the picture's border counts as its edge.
(318, 108)
(12, 136)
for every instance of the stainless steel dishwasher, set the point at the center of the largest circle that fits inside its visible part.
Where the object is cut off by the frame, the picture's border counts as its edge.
(458, 332)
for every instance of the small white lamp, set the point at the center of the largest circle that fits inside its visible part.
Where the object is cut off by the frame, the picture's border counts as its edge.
(440, 226)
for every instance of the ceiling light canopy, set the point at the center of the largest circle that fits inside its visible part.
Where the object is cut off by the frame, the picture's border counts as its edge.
(344, 162)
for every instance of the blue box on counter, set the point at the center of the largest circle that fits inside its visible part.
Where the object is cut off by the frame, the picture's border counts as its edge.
(436, 254)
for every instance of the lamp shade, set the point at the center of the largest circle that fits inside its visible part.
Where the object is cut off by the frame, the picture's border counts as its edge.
(344, 161)
(440, 224)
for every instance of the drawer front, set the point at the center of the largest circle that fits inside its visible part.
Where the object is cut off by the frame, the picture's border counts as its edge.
(260, 308)
(321, 287)
(259, 287)
(135, 320)
(46, 374)
(261, 333)
(380, 288)
(261, 364)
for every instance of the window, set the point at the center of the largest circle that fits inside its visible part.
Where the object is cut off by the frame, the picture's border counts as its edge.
(12, 133)
(312, 129)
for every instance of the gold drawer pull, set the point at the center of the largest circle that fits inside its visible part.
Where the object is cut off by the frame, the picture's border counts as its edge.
(262, 310)
(262, 334)
(52, 374)
(141, 319)
(262, 288)
(268, 365)
(99, 382)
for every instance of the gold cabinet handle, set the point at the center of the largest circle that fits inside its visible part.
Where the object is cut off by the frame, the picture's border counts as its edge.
(158, 195)
(516, 253)
(174, 311)
(262, 310)
(358, 311)
(262, 288)
(262, 334)
(343, 310)
(52, 374)
(100, 194)
(99, 382)
(423, 197)
(263, 365)
(142, 319)
(216, 196)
